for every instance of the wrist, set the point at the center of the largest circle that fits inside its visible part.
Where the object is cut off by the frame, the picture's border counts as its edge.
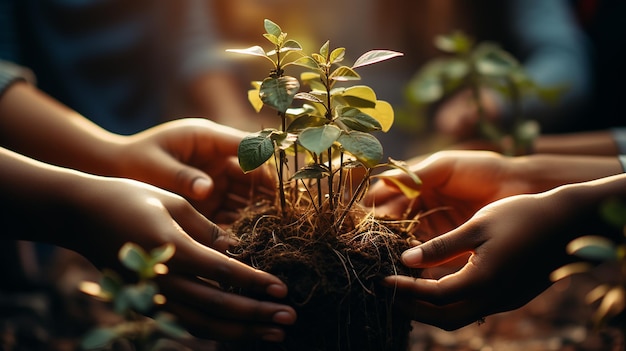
(542, 172)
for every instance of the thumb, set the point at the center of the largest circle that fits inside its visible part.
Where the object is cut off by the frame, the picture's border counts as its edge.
(439, 250)
(187, 181)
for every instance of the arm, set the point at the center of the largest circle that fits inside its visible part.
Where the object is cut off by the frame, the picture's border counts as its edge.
(456, 184)
(515, 243)
(95, 216)
(192, 157)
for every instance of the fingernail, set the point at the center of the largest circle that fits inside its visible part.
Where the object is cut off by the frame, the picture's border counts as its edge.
(413, 256)
(201, 186)
(276, 290)
(283, 317)
(273, 335)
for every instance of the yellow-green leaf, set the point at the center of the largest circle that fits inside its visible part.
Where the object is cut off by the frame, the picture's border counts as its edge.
(383, 113)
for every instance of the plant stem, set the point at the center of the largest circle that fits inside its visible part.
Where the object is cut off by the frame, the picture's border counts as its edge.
(356, 195)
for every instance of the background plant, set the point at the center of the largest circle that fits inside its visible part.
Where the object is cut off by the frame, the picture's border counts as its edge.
(330, 130)
(610, 297)
(472, 66)
(133, 302)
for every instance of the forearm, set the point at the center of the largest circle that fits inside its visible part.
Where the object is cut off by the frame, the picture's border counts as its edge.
(584, 143)
(34, 124)
(34, 197)
(545, 171)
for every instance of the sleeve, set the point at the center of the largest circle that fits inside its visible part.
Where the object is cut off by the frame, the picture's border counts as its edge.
(619, 135)
(554, 51)
(11, 73)
(199, 49)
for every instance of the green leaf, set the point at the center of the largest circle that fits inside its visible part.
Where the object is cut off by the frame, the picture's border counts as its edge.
(167, 324)
(272, 28)
(363, 146)
(491, 60)
(255, 149)
(98, 338)
(319, 139)
(133, 257)
(291, 45)
(375, 56)
(279, 92)
(356, 120)
(306, 121)
(313, 171)
(162, 253)
(593, 248)
(110, 282)
(308, 62)
(138, 297)
(455, 43)
(614, 211)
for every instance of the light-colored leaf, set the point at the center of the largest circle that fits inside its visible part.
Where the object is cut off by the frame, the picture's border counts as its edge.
(344, 73)
(306, 121)
(375, 56)
(569, 269)
(253, 50)
(337, 55)
(592, 247)
(382, 112)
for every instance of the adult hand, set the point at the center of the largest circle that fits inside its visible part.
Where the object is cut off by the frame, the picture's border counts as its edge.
(108, 212)
(195, 158)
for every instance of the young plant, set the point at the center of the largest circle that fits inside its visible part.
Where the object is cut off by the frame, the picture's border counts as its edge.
(330, 130)
(474, 67)
(610, 296)
(133, 301)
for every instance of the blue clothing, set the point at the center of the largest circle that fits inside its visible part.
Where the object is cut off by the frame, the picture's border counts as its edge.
(117, 62)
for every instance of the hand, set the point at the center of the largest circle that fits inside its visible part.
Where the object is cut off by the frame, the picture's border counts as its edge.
(458, 115)
(197, 159)
(109, 212)
(515, 244)
(455, 184)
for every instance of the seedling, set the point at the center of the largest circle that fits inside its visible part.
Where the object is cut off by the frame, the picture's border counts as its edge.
(476, 66)
(330, 130)
(133, 302)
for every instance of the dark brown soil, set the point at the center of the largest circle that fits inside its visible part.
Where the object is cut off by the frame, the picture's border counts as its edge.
(333, 275)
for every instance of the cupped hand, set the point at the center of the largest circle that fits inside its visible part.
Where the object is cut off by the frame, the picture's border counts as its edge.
(197, 159)
(109, 212)
(455, 185)
(515, 243)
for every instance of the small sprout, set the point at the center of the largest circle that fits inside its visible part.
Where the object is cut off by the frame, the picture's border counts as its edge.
(593, 248)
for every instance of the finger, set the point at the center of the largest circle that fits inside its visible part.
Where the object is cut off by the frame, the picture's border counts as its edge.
(199, 260)
(443, 248)
(452, 288)
(203, 326)
(218, 303)
(185, 180)
(201, 229)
